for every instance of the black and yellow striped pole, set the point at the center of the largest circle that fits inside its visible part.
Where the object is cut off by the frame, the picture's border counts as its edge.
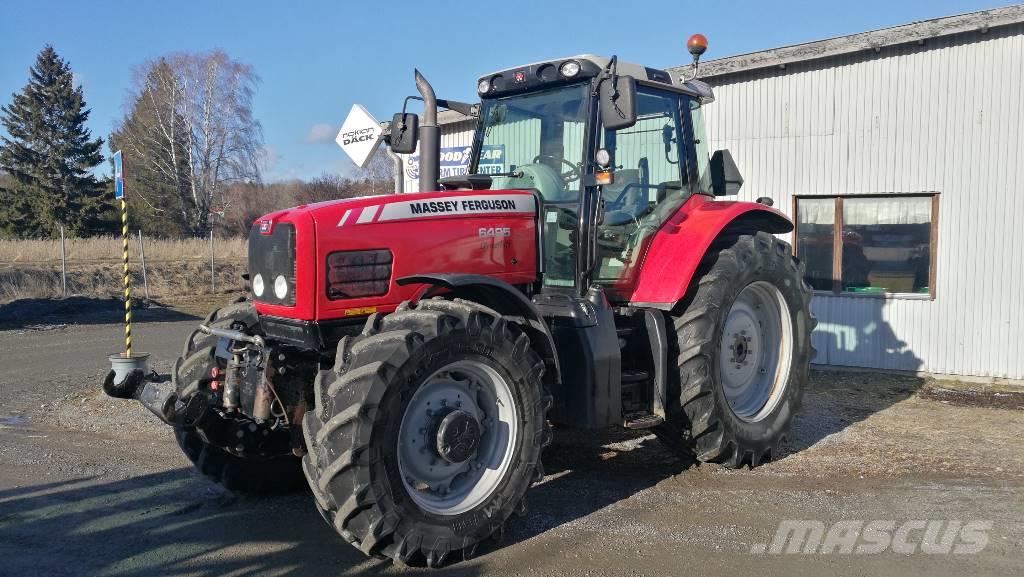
(128, 371)
(119, 194)
(127, 281)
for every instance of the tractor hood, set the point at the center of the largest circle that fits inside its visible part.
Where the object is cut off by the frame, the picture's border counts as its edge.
(341, 258)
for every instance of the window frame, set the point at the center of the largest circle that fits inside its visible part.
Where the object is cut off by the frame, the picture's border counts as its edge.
(837, 242)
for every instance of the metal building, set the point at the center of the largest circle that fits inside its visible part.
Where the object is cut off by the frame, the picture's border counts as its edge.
(899, 154)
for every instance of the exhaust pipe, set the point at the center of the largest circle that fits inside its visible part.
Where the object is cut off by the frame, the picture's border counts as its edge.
(430, 137)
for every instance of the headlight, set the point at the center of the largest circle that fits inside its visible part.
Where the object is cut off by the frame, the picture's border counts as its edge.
(257, 285)
(483, 86)
(569, 68)
(281, 287)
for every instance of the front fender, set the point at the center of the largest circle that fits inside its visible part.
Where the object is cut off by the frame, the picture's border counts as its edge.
(504, 298)
(681, 243)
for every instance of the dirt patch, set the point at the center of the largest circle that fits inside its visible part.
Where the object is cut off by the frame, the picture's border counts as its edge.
(880, 425)
(984, 398)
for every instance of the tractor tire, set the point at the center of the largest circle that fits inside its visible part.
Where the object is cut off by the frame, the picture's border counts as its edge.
(259, 476)
(742, 349)
(396, 400)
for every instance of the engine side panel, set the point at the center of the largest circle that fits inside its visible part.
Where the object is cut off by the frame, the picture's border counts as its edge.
(680, 244)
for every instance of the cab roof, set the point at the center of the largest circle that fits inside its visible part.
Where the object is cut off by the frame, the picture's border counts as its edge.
(548, 73)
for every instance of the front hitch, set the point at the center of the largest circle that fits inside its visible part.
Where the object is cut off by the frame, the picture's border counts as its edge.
(159, 396)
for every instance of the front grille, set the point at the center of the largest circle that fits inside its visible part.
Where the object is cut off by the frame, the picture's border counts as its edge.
(357, 274)
(270, 256)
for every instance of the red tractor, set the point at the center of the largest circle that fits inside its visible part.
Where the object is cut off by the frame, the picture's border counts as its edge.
(406, 354)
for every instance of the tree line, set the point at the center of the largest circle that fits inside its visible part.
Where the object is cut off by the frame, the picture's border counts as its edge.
(192, 149)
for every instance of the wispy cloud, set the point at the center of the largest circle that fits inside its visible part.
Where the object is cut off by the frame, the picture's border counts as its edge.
(321, 132)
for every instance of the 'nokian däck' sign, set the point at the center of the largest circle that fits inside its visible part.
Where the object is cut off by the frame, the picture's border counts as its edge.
(360, 135)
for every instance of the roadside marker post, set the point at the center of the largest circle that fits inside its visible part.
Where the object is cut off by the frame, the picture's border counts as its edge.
(119, 194)
(125, 364)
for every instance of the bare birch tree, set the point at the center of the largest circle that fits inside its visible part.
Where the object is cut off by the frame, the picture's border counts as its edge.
(190, 125)
(379, 173)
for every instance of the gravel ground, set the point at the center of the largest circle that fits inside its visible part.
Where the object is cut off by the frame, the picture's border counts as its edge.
(96, 486)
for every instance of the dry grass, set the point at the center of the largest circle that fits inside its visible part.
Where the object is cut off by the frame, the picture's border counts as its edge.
(100, 249)
(31, 269)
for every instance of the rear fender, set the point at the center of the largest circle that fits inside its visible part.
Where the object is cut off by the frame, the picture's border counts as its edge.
(679, 246)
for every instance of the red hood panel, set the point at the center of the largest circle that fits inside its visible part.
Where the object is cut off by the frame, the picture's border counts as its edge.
(478, 232)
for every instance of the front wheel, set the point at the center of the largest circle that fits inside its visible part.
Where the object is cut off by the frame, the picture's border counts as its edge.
(742, 352)
(428, 431)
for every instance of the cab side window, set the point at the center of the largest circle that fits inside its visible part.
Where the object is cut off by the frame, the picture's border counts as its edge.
(700, 141)
(650, 164)
(648, 156)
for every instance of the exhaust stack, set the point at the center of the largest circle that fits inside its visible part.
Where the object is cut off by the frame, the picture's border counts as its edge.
(430, 137)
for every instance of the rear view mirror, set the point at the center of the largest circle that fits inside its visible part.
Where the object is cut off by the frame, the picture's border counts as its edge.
(618, 102)
(405, 128)
(725, 177)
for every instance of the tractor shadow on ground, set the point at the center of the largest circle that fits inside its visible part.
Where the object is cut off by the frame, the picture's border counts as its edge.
(178, 523)
(170, 523)
(80, 310)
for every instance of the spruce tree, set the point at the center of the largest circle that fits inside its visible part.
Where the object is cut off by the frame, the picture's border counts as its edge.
(49, 153)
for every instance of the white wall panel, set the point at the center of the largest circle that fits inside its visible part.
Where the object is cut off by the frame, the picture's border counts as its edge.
(942, 117)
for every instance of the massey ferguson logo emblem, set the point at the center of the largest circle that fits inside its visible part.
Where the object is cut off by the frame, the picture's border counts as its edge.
(353, 136)
(264, 227)
(454, 206)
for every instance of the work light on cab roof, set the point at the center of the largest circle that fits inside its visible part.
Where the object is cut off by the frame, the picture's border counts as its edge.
(696, 45)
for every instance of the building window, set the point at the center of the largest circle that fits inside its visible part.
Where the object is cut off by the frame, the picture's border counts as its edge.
(868, 244)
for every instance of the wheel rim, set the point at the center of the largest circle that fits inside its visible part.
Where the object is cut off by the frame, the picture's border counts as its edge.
(756, 351)
(457, 437)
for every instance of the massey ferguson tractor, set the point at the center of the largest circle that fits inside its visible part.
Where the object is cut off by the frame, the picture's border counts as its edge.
(407, 354)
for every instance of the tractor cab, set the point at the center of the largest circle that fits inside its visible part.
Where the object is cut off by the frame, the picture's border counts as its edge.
(611, 149)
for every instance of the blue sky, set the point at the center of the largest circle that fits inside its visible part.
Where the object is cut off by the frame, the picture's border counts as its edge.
(316, 59)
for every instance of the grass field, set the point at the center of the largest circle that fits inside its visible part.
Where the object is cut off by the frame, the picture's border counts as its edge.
(174, 268)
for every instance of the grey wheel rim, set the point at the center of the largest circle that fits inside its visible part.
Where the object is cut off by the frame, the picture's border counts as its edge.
(457, 437)
(756, 351)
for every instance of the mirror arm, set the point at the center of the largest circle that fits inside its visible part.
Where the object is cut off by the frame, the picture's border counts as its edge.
(461, 107)
(611, 71)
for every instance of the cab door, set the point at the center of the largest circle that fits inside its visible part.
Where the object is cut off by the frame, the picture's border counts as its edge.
(651, 183)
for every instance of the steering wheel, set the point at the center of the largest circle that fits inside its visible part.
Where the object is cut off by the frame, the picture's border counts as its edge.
(571, 175)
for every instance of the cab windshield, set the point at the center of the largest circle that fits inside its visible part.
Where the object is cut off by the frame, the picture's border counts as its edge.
(535, 141)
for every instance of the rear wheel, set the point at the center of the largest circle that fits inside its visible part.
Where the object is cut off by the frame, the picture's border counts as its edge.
(262, 474)
(742, 351)
(428, 431)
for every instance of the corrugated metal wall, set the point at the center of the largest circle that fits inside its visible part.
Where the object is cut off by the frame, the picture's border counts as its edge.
(452, 134)
(942, 117)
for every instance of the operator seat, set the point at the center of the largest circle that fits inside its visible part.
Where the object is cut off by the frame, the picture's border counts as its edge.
(539, 177)
(633, 201)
